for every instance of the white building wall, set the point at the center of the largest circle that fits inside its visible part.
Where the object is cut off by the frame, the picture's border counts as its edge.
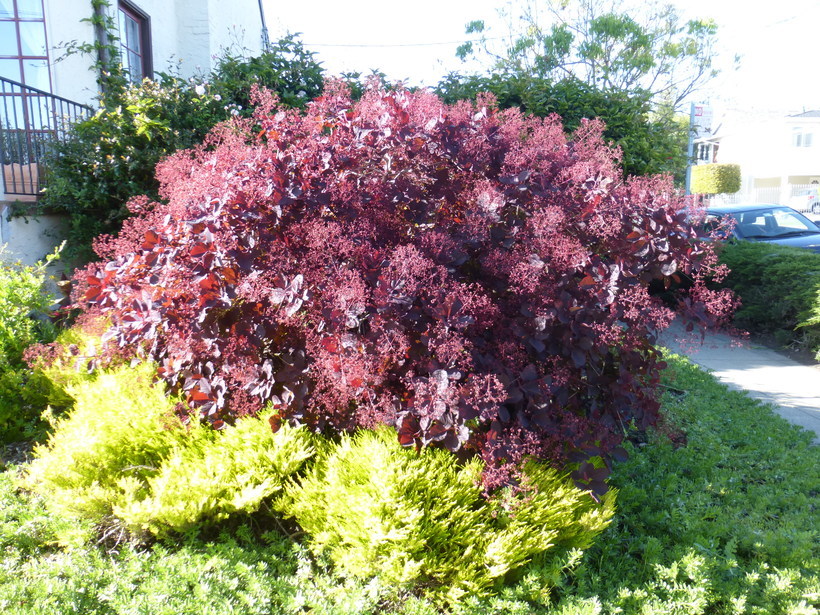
(186, 36)
(29, 240)
(236, 26)
(71, 75)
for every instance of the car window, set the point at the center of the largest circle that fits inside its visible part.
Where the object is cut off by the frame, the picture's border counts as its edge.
(787, 220)
(771, 223)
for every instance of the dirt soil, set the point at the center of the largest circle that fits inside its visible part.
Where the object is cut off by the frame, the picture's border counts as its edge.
(15, 453)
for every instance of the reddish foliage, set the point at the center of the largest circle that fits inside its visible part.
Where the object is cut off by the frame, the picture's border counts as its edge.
(474, 277)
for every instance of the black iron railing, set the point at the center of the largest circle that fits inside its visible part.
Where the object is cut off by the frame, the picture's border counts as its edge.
(31, 121)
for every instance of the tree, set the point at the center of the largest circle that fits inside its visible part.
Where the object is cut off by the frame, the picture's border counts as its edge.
(645, 49)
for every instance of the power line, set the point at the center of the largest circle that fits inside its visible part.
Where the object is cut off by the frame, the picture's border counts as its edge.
(381, 46)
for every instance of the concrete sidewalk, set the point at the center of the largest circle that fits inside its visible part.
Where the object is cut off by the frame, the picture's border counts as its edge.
(793, 388)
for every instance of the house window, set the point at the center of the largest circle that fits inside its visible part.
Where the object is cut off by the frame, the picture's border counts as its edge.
(801, 138)
(135, 42)
(23, 46)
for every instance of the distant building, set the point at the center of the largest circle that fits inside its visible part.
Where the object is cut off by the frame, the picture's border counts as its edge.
(779, 157)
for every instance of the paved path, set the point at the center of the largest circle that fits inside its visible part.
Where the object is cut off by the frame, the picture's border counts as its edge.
(793, 388)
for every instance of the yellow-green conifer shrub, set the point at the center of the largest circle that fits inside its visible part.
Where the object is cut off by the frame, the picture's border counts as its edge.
(73, 352)
(419, 521)
(121, 457)
(115, 437)
(216, 475)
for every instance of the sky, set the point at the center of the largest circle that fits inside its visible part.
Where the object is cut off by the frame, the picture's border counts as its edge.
(778, 44)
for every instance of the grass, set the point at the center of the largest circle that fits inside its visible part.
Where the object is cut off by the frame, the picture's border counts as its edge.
(727, 523)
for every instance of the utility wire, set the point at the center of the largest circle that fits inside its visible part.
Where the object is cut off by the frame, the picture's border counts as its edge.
(308, 45)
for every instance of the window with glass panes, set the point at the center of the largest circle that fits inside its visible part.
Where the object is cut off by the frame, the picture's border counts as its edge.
(135, 42)
(23, 46)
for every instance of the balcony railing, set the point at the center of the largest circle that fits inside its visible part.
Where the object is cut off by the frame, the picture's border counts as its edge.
(31, 121)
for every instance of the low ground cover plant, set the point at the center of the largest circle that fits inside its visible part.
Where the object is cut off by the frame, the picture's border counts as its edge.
(722, 520)
(474, 278)
(779, 288)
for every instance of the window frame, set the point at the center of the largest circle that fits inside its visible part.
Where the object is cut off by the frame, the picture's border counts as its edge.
(143, 21)
(802, 137)
(21, 58)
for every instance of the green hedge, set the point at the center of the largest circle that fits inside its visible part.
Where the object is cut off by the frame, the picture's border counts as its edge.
(780, 290)
(715, 178)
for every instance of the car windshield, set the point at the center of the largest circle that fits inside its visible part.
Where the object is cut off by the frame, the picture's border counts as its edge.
(772, 222)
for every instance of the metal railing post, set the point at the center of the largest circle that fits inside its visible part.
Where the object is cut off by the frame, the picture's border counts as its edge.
(31, 120)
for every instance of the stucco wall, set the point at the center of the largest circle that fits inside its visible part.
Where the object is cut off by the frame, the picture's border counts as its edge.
(29, 239)
(185, 37)
(187, 34)
(71, 77)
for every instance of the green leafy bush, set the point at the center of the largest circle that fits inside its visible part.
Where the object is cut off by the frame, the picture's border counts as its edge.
(123, 458)
(110, 157)
(24, 309)
(286, 68)
(779, 288)
(418, 520)
(715, 178)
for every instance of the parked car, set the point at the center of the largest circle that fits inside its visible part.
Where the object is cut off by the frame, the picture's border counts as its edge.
(771, 223)
(807, 200)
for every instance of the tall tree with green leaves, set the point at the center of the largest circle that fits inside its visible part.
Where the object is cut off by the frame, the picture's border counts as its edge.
(631, 65)
(611, 45)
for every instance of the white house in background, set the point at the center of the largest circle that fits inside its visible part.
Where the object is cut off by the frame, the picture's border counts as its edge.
(41, 85)
(779, 158)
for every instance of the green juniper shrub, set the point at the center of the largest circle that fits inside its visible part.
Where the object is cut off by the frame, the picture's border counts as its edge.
(123, 458)
(419, 521)
(779, 288)
(25, 307)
